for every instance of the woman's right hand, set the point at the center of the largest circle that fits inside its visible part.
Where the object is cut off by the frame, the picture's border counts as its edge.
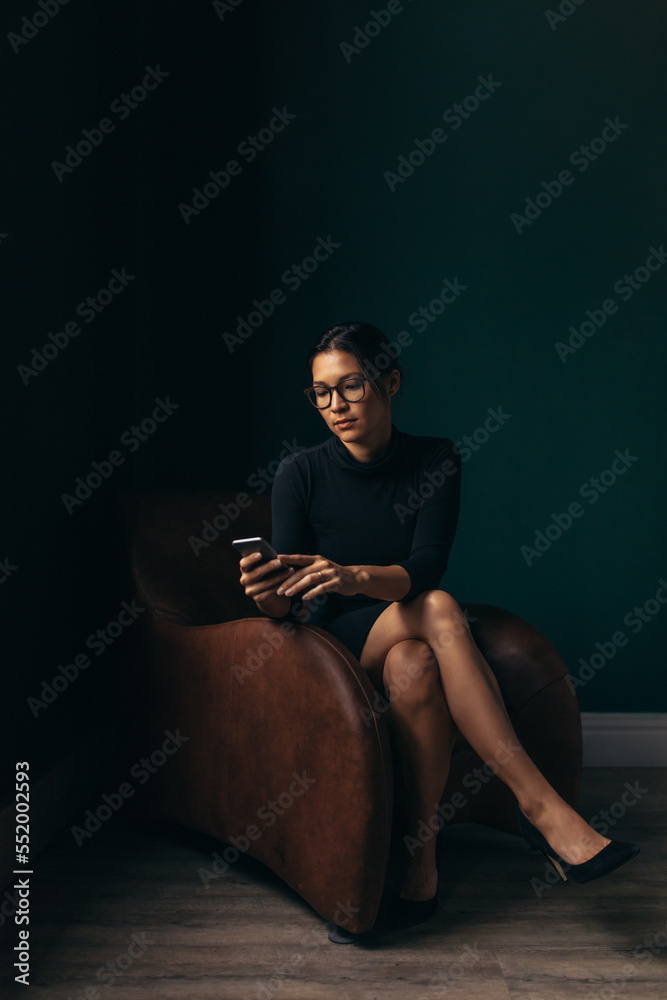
(263, 590)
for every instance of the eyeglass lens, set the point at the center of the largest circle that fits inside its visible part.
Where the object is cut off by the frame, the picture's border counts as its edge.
(351, 390)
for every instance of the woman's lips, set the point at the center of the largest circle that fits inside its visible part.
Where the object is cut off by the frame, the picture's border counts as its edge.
(342, 424)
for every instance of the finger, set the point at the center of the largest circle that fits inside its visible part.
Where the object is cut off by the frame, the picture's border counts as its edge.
(298, 583)
(249, 574)
(268, 576)
(264, 568)
(323, 585)
(250, 559)
(253, 584)
(296, 577)
(264, 594)
(297, 557)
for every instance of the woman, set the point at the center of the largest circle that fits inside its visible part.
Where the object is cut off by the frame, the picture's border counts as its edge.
(367, 520)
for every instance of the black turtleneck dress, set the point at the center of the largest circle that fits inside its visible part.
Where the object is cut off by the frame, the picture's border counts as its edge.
(401, 508)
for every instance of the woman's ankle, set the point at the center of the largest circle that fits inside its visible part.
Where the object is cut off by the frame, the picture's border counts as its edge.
(538, 808)
(418, 877)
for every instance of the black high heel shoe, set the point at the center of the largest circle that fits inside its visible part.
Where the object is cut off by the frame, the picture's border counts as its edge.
(410, 912)
(611, 856)
(400, 914)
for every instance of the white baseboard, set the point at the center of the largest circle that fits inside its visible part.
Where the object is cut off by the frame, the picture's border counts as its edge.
(624, 739)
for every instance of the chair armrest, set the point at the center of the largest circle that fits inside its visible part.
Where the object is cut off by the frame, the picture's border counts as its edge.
(283, 754)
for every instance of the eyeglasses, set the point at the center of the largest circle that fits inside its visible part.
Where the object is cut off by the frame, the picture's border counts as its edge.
(350, 389)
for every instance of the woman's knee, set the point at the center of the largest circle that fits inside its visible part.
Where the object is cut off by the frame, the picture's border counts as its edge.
(411, 671)
(443, 618)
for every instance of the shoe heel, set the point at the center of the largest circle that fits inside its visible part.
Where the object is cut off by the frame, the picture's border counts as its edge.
(556, 866)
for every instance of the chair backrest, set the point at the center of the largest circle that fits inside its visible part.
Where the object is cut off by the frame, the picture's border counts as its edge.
(183, 564)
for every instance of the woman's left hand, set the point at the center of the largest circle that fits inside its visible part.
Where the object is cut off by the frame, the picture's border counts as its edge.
(341, 579)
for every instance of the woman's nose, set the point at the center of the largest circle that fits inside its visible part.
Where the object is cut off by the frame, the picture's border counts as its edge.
(337, 400)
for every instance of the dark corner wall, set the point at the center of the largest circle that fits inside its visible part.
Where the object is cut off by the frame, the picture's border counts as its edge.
(192, 192)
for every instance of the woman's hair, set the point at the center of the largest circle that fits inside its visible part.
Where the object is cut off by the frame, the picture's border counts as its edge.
(369, 347)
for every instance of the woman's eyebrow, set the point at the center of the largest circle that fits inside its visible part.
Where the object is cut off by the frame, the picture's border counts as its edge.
(347, 375)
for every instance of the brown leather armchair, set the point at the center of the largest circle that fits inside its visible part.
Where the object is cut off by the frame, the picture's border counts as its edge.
(287, 757)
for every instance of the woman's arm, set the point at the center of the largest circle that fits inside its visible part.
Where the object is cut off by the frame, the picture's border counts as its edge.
(386, 583)
(291, 530)
(435, 521)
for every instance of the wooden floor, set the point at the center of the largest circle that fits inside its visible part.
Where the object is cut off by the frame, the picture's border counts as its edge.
(249, 936)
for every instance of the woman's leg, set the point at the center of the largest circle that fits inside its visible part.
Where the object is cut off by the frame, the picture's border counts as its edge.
(477, 708)
(423, 732)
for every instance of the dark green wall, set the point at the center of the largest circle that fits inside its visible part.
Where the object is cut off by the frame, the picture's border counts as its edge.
(324, 176)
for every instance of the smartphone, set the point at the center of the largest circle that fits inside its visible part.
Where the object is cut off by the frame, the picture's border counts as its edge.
(244, 546)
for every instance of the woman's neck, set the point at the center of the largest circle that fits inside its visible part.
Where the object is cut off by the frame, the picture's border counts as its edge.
(366, 450)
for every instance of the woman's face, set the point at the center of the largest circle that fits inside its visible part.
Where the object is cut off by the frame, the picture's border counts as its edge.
(351, 421)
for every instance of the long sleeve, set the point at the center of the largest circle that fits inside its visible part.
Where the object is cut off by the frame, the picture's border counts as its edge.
(436, 520)
(291, 530)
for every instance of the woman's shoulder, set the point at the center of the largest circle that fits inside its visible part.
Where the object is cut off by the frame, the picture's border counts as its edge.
(297, 468)
(301, 457)
(430, 446)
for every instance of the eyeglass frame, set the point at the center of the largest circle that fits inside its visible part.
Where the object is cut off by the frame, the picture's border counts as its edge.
(335, 388)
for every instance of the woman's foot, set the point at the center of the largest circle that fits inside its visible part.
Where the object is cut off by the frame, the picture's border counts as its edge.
(566, 831)
(419, 877)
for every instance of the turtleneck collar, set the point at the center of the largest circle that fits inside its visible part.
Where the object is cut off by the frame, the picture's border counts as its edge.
(377, 466)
